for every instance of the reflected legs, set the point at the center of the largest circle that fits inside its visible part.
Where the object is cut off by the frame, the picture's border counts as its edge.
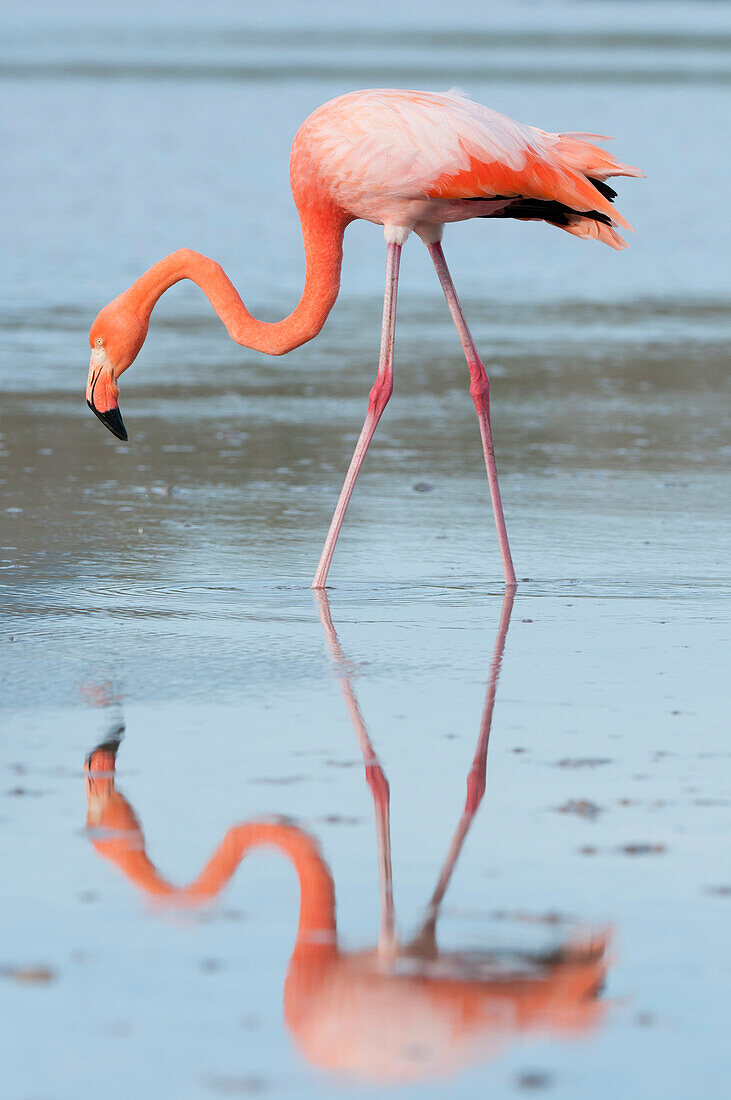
(424, 943)
(376, 779)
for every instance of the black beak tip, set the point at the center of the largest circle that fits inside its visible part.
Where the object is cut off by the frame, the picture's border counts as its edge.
(112, 420)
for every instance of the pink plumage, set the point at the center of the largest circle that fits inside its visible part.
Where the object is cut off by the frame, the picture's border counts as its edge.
(419, 159)
(410, 161)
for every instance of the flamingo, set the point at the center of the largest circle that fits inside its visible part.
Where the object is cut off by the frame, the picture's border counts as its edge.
(400, 1011)
(410, 161)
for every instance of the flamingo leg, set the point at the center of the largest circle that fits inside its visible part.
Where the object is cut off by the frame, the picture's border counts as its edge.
(480, 393)
(377, 401)
(376, 779)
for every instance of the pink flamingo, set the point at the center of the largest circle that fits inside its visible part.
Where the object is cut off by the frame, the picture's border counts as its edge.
(408, 161)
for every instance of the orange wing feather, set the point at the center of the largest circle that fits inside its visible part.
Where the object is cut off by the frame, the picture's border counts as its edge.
(562, 175)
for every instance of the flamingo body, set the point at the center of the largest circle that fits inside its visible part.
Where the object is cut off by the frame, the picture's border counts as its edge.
(415, 159)
(409, 161)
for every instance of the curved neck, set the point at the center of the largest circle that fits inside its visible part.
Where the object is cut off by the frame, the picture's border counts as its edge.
(322, 231)
(317, 926)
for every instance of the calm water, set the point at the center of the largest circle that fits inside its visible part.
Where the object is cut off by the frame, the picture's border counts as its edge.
(567, 934)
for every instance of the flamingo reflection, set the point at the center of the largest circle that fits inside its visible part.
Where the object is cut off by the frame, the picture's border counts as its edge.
(398, 1012)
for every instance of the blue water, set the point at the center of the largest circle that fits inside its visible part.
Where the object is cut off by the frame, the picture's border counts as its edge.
(161, 589)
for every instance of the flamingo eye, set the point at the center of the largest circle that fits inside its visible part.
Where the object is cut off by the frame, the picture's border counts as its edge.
(99, 341)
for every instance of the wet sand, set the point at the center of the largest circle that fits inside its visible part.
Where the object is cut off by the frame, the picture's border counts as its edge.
(159, 590)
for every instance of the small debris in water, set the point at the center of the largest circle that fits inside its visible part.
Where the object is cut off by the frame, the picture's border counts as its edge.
(278, 781)
(644, 1019)
(120, 1029)
(236, 1086)
(551, 917)
(29, 975)
(719, 891)
(535, 1079)
(583, 762)
(582, 807)
(640, 849)
(423, 487)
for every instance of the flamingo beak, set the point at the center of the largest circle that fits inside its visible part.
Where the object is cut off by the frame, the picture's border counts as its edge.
(113, 420)
(101, 397)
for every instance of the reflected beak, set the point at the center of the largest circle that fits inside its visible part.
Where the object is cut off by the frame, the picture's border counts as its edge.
(113, 420)
(102, 759)
(101, 397)
(99, 778)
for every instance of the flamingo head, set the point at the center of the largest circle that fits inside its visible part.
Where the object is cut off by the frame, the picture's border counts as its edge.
(116, 337)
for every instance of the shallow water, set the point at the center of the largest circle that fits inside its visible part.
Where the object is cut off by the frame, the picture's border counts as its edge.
(160, 590)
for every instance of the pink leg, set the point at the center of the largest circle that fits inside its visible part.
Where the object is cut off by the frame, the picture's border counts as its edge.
(377, 401)
(480, 392)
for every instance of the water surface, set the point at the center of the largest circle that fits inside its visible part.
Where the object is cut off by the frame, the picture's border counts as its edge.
(159, 590)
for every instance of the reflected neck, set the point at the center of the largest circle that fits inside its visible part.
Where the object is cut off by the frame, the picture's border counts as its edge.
(317, 925)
